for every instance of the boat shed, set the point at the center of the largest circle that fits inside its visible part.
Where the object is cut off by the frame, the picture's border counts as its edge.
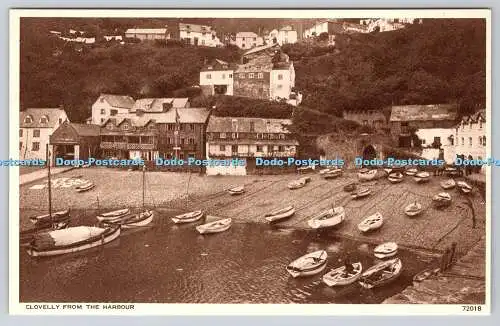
(75, 141)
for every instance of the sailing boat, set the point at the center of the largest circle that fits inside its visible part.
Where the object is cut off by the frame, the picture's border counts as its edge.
(51, 221)
(135, 220)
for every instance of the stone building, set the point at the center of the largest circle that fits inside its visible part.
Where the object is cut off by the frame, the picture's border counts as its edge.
(197, 35)
(216, 77)
(109, 105)
(248, 40)
(148, 34)
(375, 119)
(470, 137)
(283, 35)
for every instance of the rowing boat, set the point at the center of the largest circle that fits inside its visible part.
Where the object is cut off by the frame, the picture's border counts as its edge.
(215, 226)
(188, 217)
(395, 177)
(442, 199)
(367, 175)
(464, 187)
(413, 209)
(280, 214)
(411, 172)
(371, 223)
(381, 273)
(448, 184)
(236, 190)
(296, 184)
(332, 173)
(85, 187)
(131, 221)
(422, 177)
(361, 193)
(113, 215)
(386, 250)
(328, 218)
(309, 264)
(339, 277)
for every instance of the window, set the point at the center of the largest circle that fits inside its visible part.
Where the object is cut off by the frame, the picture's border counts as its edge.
(480, 140)
(44, 119)
(60, 120)
(28, 119)
(209, 76)
(280, 77)
(260, 75)
(102, 120)
(101, 99)
(250, 75)
(230, 76)
(36, 132)
(259, 136)
(437, 141)
(423, 141)
(191, 126)
(223, 76)
(222, 148)
(182, 141)
(365, 122)
(480, 124)
(243, 45)
(125, 126)
(191, 141)
(484, 140)
(234, 149)
(35, 146)
(202, 42)
(103, 111)
(281, 148)
(113, 112)
(252, 126)
(222, 135)
(234, 135)
(470, 141)
(20, 132)
(169, 141)
(281, 136)
(259, 148)
(170, 127)
(255, 39)
(279, 86)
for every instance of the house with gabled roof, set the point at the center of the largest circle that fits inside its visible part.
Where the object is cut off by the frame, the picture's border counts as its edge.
(470, 137)
(282, 35)
(198, 35)
(110, 105)
(75, 141)
(35, 127)
(248, 40)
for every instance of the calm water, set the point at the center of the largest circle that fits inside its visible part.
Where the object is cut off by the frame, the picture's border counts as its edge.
(169, 263)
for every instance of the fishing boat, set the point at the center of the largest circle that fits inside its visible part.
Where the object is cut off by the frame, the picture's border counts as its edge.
(413, 209)
(296, 184)
(422, 177)
(72, 239)
(332, 173)
(140, 219)
(395, 177)
(411, 172)
(188, 217)
(113, 215)
(280, 214)
(236, 190)
(464, 187)
(339, 276)
(85, 187)
(360, 193)
(448, 184)
(329, 218)
(215, 226)
(307, 265)
(350, 187)
(371, 223)
(441, 200)
(386, 250)
(381, 274)
(367, 175)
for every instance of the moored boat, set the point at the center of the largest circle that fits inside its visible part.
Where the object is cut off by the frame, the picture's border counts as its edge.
(411, 172)
(85, 187)
(413, 209)
(395, 177)
(425, 274)
(141, 219)
(386, 250)
(339, 276)
(360, 193)
(280, 214)
(367, 175)
(113, 215)
(296, 184)
(26, 236)
(71, 240)
(309, 264)
(47, 219)
(381, 273)
(332, 173)
(215, 226)
(328, 218)
(236, 190)
(441, 200)
(448, 184)
(464, 187)
(350, 187)
(422, 177)
(371, 223)
(188, 217)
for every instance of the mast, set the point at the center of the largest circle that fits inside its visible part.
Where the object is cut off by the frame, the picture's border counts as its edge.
(143, 184)
(47, 154)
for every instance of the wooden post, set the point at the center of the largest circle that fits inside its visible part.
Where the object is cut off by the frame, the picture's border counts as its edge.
(453, 253)
(49, 183)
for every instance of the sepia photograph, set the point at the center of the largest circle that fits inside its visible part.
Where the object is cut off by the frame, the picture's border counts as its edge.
(340, 160)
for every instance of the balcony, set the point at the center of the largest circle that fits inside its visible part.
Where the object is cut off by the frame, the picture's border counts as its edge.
(127, 146)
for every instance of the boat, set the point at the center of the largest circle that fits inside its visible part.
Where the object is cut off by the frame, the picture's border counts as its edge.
(51, 218)
(332, 173)
(339, 277)
(26, 236)
(326, 170)
(367, 175)
(280, 214)
(425, 274)
(413, 209)
(136, 220)
(442, 199)
(395, 177)
(422, 177)
(72, 239)
(113, 215)
(381, 273)
(215, 226)
(451, 171)
(350, 187)
(236, 190)
(307, 265)
(296, 184)
(306, 169)
(411, 172)
(464, 187)
(85, 187)
(188, 217)
(360, 193)
(448, 184)
(371, 223)
(329, 218)
(386, 250)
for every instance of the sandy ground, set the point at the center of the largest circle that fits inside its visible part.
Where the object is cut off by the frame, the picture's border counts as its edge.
(433, 230)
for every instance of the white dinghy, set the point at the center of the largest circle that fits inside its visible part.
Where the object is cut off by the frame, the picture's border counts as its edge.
(386, 250)
(307, 265)
(339, 276)
(215, 226)
(188, 217)
(328, 218)
(371, 223)
(280, 214)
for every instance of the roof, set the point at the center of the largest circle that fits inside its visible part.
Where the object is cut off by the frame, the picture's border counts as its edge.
(242, 124)
(52, 115)
(246, 34)
(88, 130)
(156, 104)
(479, 115)
(194, 28)
(118, 101)
(423, 112)
(286, 28)
(186, 115)
(260, 48)
(218, 65)
(146, 31)
(247, 141)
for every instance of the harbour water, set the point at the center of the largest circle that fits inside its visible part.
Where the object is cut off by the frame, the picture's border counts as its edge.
(174, 264)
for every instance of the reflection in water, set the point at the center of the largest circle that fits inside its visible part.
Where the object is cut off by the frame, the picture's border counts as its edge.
(168, 264)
